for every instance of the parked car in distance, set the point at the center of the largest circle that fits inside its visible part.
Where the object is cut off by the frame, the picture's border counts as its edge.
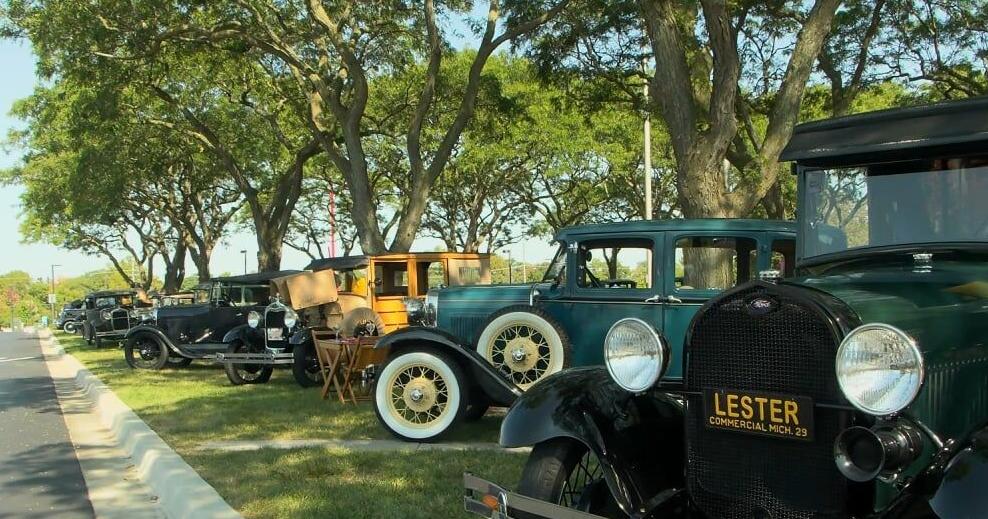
(110, 314)
(71, 316)
(486, 344)
(854, 389)
(215, 323)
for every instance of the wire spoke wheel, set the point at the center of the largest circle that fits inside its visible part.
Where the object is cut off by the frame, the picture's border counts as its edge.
(582, 483)
(522, 353)
(419, 395)
(148, 352)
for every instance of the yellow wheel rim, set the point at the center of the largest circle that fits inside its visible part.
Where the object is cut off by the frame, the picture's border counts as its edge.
(419, 396)
(522, 353)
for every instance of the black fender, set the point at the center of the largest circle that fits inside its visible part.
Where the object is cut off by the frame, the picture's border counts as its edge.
(638, 439)
(300, 336)
(241, 332)
(153, 330)
(496, 386)
(961, 492)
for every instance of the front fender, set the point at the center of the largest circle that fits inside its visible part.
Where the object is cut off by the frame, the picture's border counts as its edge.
(153, 330)
(962, 489)
(240, 332)
(638, 439)
(496, 386)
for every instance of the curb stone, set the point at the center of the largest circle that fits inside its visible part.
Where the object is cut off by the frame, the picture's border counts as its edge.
(182, 492)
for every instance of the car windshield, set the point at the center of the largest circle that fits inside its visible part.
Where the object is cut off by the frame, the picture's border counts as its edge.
(900, 204)
(557, 265)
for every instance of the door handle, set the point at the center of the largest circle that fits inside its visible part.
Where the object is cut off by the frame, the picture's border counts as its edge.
(673, 299)
(654, 299)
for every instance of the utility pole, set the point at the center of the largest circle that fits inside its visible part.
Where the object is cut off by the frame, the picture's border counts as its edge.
(647, 152)
(51, 296)
(508, 252)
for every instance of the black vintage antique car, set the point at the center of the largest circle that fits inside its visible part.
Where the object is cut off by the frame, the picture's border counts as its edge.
(110, 314)
(71, 316)
(855, 389)
(224, 318)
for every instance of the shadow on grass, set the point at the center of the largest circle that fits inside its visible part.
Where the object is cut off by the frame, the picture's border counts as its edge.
(193, 405)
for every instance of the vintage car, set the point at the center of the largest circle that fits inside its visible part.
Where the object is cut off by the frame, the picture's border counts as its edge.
(386, 284)
(218, 322)
(110, 314)
(71, 316)
(485, 345)
(855, 389)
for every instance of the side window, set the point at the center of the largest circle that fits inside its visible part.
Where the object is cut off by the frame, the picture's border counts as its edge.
(615, 264)
(713, 263)
(557, 267)
(257, 295)
(391, 279)
(430, 275)
(784, 257)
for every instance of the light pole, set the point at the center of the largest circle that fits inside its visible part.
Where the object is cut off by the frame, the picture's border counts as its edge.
(508, 252)
(244, 252)
(51, 296)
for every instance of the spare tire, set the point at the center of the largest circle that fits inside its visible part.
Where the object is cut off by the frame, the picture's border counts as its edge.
(525, 344)
(361, 322)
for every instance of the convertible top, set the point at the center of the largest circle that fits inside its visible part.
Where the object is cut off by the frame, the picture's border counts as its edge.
(943, 129)
(340, 263)
(260, 278)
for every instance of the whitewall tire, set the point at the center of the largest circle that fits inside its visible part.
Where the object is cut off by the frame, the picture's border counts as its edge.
(525, 344)
(420, 394)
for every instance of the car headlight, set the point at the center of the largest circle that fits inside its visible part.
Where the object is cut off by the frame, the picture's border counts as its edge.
(415, 308)
(106, 315)
(253, 319)
(432, 307)
(635, 355)
(879, 369)
(291, 318)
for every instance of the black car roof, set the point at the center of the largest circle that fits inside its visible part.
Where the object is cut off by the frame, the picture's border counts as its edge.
(340, 263)
(111, 293)
(927, 131)
(257, 277)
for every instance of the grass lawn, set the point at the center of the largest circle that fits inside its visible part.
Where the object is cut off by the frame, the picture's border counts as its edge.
(190, 406)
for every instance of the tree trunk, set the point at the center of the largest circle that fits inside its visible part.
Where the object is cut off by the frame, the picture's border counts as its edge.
(269, 248)
(175, 269)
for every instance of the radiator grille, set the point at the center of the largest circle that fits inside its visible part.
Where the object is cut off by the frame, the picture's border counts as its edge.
(791, 350)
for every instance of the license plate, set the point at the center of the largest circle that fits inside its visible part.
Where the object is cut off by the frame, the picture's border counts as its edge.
(275, 334)
(756, 412)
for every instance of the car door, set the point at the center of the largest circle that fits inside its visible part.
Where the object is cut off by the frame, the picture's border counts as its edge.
(700, 265)
(391, 284)
(611, 277)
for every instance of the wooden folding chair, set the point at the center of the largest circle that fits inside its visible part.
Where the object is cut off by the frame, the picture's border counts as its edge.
(331, 354)
(363, 354)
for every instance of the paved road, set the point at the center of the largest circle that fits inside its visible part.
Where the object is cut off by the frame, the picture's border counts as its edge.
(39, 472)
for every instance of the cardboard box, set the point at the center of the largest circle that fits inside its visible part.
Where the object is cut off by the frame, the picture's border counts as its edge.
(306, 289)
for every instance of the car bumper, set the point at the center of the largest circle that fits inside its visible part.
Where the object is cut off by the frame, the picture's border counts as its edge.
(486, 499)
(267, 358)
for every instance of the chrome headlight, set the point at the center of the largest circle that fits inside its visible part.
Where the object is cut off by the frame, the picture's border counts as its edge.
(879, 369)
(415, 308)
(253, 319)
(106, 315)
(291, 318)
(635, 354)
(432, 307)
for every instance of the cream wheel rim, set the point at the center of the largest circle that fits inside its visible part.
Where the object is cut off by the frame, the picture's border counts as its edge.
(521, 352)
(419, 396)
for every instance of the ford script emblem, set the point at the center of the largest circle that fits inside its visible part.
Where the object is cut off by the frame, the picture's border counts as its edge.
(761, 306)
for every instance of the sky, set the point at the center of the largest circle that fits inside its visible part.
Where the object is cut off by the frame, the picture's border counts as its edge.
(17, 61)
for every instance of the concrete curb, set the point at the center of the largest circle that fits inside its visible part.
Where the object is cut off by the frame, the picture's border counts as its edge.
(181, 491)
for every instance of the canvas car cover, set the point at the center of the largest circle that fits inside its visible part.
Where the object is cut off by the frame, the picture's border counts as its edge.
(306, 289)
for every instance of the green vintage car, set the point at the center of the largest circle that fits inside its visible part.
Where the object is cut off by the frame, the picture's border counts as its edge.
(484, 345)
(855, 389)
